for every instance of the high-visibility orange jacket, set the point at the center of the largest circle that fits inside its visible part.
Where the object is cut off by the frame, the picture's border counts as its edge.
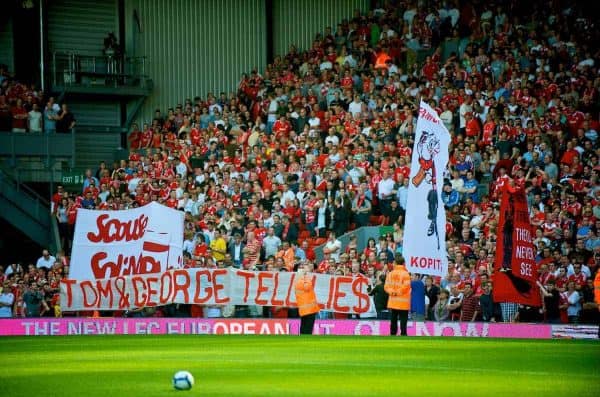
(397, 285)
(597, 287)
(305, 295)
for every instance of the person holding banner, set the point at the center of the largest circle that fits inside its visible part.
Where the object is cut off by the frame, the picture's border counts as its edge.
(306, 299)
(397, 285)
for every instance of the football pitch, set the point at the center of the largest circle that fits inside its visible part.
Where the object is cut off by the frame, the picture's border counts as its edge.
(111, 366)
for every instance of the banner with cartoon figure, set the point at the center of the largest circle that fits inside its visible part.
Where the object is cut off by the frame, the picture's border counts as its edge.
(143, 240)
(425, 224)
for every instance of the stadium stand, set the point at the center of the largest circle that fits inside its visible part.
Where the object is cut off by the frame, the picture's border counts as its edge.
(309, 140)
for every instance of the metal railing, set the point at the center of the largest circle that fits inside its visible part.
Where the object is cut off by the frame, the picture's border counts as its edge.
(47, 147)
(72, 69)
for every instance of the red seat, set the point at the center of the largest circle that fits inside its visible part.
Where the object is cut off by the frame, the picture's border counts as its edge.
(375, 220)
(320, 241)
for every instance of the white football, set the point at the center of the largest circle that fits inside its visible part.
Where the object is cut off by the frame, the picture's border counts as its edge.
(183, 380)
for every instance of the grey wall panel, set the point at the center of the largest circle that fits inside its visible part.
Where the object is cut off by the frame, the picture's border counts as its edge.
(95, 113)
(298, 21)
(81, 25)
(195, 46)
(7, 45)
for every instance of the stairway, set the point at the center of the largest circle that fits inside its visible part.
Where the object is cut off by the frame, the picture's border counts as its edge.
(27, 211)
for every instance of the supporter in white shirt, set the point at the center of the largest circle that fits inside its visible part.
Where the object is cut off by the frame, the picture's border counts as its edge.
(286, 195)
(355, 107)
(332, 137)
(181, 168)
(333, 247)
(6, 301)
(46, 260)
(326, 65)
(314, 123)
(189, 244)
(34, 119)
(386, 186)
(463, 110)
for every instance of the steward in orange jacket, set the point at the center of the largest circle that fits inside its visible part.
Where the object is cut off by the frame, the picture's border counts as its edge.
(397, 285)
(306, 300)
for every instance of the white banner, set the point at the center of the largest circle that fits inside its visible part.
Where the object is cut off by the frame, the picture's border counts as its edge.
(342, 294)
(143, 240)
(424, 246)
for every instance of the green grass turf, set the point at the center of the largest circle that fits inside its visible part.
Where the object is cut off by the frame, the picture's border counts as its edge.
(110, 366)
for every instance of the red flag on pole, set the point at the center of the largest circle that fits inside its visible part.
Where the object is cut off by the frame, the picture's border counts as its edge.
(515, 269)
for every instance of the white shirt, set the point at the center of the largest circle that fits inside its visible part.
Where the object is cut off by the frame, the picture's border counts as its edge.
(464, 108)
(43, 262)
(332, 245)
(6, 298)
(289, 195)
(314, 123)
(385, 188)
(333, 139)
(272, 117)
(355, 107)
(132, 185)
(181, 169)
(189, 246)
(326, 65)
(35, 121)
(271, 245)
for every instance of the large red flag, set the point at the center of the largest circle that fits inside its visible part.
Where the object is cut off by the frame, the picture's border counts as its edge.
(515, 270)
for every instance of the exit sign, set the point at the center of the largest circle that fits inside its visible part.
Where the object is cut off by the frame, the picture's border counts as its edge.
(73, 177)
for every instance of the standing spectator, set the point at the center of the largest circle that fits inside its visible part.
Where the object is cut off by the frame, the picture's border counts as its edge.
(7, 299)
(333, 247)
(386, 192)
(417, 298)
(470, 306)
(34, 119)
(551, 302)
(35, 306)
(440, 309)
(218, 246)
(290, 231)
(236, 250)
(486, 304)
(65, 120)
(63, 222)
(45, 261)
(271, 243)
(307, 300)
(50, 116)
(397, 285)
(574, 299)
(380, 298)
(19, 117)
(432, 291)
(361, 207)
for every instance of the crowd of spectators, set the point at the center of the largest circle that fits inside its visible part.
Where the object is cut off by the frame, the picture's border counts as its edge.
(23, 108)
(321, 141)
